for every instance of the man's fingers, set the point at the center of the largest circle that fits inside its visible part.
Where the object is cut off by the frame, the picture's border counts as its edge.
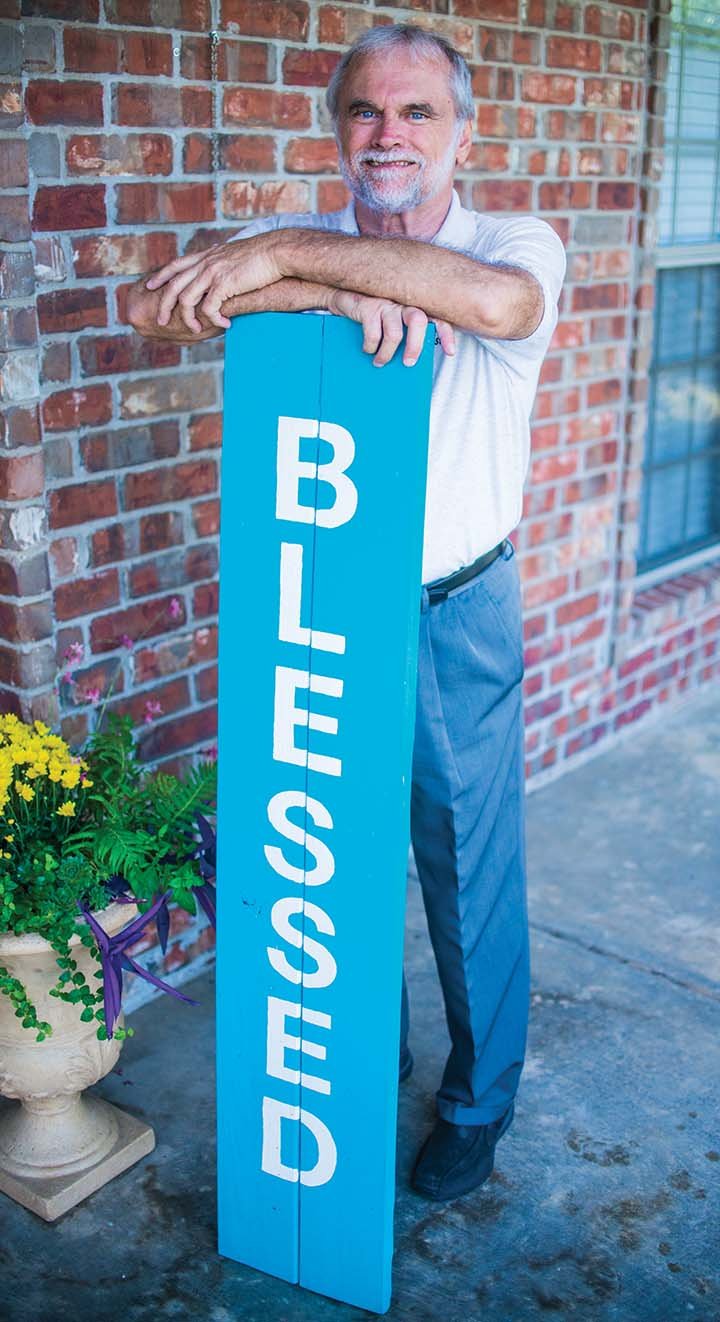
(211, 305)
(191, 296)
(383, 324)
(173, 268)
(371, 321)
(446, 335)
(416, 323)
(166, 273)
(392, 333)
(171, 294)
(197, 275)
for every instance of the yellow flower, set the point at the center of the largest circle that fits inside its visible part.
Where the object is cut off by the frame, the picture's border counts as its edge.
(9, 724)
(9, 838)
(29, 752)
(88, 784)
(66, 809)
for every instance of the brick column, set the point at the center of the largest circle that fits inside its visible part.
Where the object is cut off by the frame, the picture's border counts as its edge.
(27, 666)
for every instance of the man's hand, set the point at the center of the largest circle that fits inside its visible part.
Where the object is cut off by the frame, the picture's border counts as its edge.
(383, 324)
(142, 314)
(198, 284)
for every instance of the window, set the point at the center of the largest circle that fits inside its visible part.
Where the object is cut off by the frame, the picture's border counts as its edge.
(681, 490)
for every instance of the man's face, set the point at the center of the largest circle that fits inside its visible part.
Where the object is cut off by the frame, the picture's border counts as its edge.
(398, 137)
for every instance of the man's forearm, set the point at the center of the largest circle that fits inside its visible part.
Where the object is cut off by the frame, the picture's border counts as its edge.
(286, 295)
(447, 285)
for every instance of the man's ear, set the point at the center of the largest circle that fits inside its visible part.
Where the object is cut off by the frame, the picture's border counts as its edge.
(462, 151)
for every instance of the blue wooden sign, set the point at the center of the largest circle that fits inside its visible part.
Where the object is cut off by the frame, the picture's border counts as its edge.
(323, 491)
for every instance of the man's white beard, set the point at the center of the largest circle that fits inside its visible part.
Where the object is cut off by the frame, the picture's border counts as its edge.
(405, 195)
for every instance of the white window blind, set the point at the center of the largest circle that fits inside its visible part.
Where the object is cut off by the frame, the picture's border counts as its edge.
(690, 190)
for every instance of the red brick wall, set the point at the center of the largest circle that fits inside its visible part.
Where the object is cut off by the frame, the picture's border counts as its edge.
(108, 466)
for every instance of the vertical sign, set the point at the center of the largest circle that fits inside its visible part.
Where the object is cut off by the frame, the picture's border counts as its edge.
(323, 489)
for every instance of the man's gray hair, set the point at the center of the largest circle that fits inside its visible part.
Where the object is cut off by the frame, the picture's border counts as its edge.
(417, 43)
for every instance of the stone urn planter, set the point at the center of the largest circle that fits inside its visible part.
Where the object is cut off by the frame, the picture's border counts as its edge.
(57, 1145)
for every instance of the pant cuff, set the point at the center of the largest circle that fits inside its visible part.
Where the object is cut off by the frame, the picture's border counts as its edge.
(457, 1114)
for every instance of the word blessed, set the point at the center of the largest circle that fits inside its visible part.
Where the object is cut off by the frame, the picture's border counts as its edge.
(322, 969)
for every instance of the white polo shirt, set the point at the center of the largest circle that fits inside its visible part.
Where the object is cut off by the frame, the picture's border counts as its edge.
(482, 397)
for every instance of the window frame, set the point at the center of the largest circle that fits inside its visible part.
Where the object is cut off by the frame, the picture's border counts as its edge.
(674, 256)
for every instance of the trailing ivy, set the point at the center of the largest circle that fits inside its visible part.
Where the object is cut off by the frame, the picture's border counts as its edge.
(24, 1008)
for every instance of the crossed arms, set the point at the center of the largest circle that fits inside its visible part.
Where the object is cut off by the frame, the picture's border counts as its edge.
(386, 284)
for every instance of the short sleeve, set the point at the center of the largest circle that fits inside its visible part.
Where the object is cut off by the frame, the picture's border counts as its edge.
(257, 227)
(283, 220)
(533, 245)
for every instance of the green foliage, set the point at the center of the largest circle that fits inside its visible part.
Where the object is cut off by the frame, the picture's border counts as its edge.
(142, 827)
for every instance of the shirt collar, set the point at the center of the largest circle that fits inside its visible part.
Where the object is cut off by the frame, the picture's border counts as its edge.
(456, 231)
(458, 227)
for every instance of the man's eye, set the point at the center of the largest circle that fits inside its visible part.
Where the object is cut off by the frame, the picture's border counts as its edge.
(418, 114)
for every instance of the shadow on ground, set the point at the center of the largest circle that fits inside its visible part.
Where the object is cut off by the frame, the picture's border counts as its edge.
(604, 1204)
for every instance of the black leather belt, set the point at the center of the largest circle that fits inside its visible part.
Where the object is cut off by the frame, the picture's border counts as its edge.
(439, 590)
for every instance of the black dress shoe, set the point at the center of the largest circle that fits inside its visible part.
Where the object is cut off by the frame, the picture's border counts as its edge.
(406, 1064)
(457, 1158)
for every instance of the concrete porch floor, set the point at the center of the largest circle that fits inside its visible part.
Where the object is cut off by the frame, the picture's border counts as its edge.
(604, 1204)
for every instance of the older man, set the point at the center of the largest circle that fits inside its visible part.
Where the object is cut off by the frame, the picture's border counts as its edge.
(403, 250)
